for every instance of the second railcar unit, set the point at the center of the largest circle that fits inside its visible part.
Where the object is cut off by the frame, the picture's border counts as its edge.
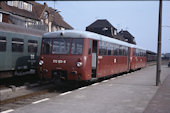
(83, 56)
(19, 49)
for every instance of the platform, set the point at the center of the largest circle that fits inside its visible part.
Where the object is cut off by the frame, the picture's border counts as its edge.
(131, 93)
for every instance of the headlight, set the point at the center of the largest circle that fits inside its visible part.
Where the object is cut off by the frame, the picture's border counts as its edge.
(41, 62)
(79, 64)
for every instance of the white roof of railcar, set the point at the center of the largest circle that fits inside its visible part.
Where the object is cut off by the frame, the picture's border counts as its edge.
(86, 34)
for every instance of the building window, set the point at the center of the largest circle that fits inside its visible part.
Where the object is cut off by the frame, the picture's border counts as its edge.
(25, 5)
(46, 17)
(2, 43)
(15, 3)
(0, 17)
(32, 46)
(62, 28)
(20, 4)
(10, 3)
(115, 32)
(17, 45)
(29, 7)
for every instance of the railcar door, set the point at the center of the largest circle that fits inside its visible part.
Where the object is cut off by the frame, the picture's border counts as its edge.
(128, 59)
(94, 58)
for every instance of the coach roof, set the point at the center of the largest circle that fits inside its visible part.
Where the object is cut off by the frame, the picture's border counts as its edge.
(84, 34)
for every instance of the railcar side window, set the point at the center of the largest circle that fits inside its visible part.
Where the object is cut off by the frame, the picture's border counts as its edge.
(46, 46)
(17, 45)
(32, 46)
(121, 50)
(134, 52)
(61, 46)
(90, 47)
(102, 48)
(116, 49)
(126, 51)
(109, 49)
(2, 43)
(77, 46)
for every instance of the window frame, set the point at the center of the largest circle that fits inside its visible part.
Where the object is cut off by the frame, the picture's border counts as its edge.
(17, 41)
(3, 39)
(72, 45)
(50, 49)
(60, 53)
(32, 43)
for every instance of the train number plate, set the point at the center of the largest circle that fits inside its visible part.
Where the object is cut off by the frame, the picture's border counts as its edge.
(60, 61)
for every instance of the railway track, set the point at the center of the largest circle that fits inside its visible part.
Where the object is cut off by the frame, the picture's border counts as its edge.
(11, 100)
(47, 91)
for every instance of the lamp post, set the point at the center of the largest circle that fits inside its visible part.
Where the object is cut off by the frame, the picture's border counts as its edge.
(158, 71)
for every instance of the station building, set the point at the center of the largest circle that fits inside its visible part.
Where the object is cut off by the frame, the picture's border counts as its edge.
(104, 27)
(31, 14)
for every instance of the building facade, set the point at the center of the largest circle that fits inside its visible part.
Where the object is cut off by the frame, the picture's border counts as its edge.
(30, 14)
(104, 27)
(128, 37)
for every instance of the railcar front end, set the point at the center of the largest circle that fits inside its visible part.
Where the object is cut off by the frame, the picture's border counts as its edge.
(64, 58)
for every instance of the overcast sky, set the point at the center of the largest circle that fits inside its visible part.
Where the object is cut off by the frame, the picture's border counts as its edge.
(140, 18)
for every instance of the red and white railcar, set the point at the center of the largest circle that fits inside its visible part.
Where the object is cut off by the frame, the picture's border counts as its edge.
(138, 57)
(82, 55)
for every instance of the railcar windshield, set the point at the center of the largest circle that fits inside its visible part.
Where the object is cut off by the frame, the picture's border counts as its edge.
(72, 46)
(61, 46)
(77, 46)
(46, 46)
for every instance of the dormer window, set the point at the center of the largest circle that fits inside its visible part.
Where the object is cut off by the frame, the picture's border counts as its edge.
(25, 6)
(0, 17)
(10, 3)
(29, 7)
(115, 32)
(20, 5)
(45, 15)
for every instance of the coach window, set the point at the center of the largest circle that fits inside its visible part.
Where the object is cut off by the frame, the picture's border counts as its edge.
(116, 49)
(144, 53)
(46, 46)
(77, 46)
(17, 45)
(89, 51)
(126, 51)
(32, 46)
(120, 50)
(61, 46)
(102, 48)
(137, 52)
(109, 49)
(2, 43)
(134, 52)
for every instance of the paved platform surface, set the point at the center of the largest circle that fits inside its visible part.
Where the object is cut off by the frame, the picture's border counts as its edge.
(161, 101)
(131, 93)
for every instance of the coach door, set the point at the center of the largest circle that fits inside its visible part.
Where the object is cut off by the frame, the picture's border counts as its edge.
(128, 59)
(94, 58)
